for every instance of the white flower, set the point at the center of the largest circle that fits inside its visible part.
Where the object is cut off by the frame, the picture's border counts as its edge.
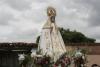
(33, 54)
(21, 57)
(78, 54)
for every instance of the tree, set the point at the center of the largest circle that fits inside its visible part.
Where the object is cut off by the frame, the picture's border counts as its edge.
(73, 37)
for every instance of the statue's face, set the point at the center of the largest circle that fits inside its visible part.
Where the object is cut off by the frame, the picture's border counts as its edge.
(52, 19)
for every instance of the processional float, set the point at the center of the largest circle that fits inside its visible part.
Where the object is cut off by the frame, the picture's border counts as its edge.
(51, 42)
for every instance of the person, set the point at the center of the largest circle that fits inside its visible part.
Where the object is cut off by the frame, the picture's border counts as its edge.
(95, 65)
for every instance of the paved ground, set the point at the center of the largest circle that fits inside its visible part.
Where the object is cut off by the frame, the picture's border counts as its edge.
(93, 59)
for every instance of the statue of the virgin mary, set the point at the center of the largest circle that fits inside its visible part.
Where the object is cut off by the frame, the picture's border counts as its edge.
(51, 42)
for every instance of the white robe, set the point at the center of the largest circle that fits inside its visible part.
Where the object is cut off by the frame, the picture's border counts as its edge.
(51, 42)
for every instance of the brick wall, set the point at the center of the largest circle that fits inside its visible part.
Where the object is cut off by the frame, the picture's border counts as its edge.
(93, 48)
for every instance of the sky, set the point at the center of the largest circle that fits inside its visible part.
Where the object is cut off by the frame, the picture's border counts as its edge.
(22, 20)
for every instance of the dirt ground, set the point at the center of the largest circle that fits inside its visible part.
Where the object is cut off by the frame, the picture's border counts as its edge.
(93, 59)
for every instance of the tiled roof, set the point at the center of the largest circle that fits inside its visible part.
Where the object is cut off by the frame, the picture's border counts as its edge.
(17, 46)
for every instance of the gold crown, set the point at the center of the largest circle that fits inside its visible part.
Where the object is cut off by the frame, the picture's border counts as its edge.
(51, 11)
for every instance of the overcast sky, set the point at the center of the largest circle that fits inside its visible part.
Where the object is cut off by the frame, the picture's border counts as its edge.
(22, 20)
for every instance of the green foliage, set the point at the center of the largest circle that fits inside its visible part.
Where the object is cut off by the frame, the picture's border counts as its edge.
(27, 59)
(85, 51)
(72, 37)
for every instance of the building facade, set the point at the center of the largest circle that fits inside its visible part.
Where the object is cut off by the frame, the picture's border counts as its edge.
(9, 53)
